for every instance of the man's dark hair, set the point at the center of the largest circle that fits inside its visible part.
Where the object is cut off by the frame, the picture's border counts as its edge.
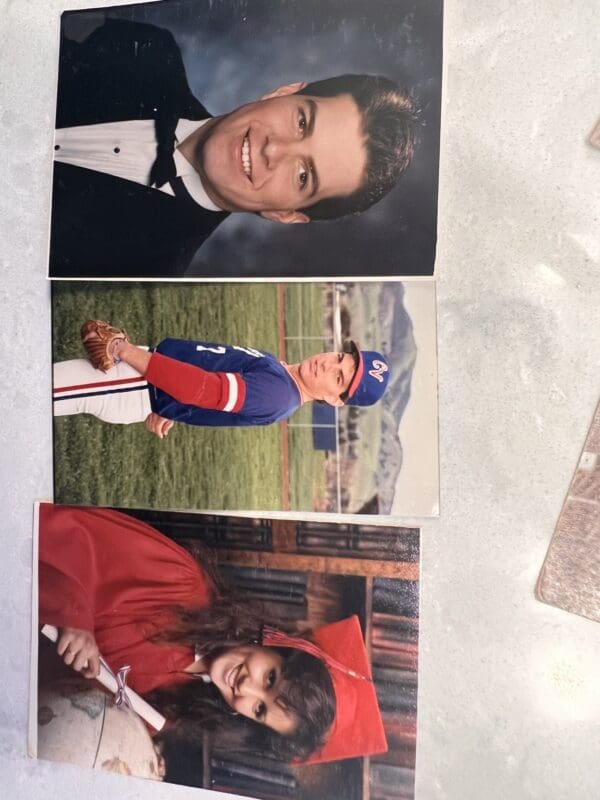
(350, 347)
(389, 119)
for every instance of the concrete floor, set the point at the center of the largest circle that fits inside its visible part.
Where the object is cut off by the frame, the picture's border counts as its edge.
(509, 702)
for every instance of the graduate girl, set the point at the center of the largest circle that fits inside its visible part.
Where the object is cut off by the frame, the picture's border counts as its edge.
(114, 585)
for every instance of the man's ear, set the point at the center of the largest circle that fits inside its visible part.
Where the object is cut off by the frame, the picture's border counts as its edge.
(283, 91)
(285, 217)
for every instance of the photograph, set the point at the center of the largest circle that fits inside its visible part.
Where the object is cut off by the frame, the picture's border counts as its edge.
(569, 578)
(269, 658)
(311, 397)
(240, 140)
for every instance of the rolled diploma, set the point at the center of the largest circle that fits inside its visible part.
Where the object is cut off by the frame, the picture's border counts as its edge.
(107, 679)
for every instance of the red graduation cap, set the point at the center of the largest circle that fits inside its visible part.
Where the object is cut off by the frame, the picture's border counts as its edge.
(357, 729)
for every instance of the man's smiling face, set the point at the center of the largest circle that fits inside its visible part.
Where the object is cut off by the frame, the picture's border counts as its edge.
(282, 153)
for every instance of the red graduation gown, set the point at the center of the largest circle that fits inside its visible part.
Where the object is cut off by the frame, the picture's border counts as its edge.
(109, 573)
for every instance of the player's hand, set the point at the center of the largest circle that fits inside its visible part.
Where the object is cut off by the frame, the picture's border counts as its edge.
(159, 426)
(80, 651)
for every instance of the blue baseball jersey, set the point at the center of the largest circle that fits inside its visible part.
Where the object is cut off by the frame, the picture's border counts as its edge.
(260, 390)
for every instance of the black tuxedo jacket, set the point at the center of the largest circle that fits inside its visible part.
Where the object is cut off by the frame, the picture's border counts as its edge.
(103, 226)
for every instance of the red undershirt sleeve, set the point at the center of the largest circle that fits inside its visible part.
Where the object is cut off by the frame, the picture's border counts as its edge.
(194, 386)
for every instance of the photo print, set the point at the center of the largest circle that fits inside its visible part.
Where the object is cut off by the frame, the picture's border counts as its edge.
(569, 575)
(318, 397)
(277, 658)
(235, 139)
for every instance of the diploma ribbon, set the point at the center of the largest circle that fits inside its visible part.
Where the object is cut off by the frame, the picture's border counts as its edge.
(109, 680)
(121, 696)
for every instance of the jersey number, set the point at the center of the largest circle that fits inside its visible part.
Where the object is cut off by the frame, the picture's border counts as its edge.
(220, 349)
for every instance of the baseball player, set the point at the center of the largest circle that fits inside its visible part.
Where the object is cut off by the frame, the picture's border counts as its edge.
(202, 383)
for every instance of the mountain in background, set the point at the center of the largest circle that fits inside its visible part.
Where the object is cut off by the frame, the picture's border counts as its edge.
(385, 312)
(397, 325)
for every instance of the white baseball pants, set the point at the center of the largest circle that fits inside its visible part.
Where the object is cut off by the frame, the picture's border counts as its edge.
(119, 396)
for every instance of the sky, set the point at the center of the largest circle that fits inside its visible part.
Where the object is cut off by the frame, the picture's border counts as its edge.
(417, 487)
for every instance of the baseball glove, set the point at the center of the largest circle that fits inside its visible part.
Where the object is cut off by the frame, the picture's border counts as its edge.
(98, 338)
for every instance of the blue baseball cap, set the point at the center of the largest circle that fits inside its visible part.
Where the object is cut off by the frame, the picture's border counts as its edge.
(370, 379)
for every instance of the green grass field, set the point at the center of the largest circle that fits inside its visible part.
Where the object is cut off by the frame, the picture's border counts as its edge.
(193, 468)
(304, 316)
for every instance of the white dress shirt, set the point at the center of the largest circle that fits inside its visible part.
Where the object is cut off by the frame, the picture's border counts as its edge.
(128, 150)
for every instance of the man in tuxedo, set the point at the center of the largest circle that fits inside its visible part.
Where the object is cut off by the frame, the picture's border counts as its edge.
(143, 174)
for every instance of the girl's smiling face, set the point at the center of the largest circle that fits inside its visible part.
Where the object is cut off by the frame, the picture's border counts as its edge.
(250, 679)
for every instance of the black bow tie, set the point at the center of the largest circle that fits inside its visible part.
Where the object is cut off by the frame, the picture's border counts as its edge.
(163, 170)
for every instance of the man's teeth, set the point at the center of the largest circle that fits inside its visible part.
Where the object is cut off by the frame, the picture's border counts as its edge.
(246, 162)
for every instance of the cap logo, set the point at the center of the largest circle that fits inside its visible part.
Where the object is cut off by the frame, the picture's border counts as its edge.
(379, 368)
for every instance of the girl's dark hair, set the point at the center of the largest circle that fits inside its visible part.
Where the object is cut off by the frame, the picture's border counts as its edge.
(196, 707)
